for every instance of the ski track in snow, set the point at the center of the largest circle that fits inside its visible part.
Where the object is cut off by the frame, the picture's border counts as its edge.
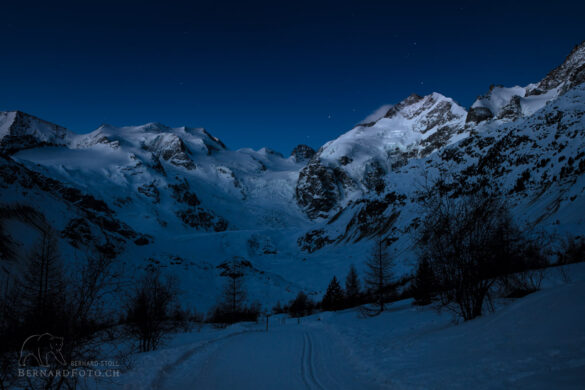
(167, 370)
(308, 373)
(292, 356)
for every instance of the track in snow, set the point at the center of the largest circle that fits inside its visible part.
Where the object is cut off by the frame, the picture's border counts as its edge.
(287, 357)
(307, 364)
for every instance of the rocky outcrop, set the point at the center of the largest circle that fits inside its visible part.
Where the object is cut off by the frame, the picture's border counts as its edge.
(567, 75)
(314, 240)
(439, 115)
(478, 114)
(512, 110)
(202, 220)
(182, 194)
(374, 176)
(412, 99)
(302, 153)
(171, 148)
(317, 189)
(19, 131)
(376, 216)
(151, 191)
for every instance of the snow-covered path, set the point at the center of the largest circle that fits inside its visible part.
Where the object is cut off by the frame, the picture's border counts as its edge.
(294, 356)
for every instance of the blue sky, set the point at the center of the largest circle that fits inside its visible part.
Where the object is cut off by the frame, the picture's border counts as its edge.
(272, 74)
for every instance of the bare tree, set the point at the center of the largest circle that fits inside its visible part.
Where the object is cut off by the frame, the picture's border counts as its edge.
(43, 286)
(231, 307)
(469, 243)
(234, 293)
(45, 298)
(150, 308)
(378, 273)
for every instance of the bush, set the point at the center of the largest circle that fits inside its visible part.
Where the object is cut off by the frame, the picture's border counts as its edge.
(526, 273)
(573, 250)
(222, 314)
(150, 310)
(470, 244)
(301, 306)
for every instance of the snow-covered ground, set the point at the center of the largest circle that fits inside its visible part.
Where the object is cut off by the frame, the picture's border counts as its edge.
(536, 342)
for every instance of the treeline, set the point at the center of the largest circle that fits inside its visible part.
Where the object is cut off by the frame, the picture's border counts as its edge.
(378, 288)
(470, 251)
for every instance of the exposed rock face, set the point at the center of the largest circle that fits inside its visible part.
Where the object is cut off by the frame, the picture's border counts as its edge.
(376, 216)
(344, 160)
(93, 222)
(314, 240)
(202, 220)
(171, 148)
(512, 110)
(150, 190)
(478, 114)
(412, 99)
(182, 194)
(317, 190)
(439, 115)
(569, 74)
(366, 154)
(302, 153)
(374, 176)
(19, 131)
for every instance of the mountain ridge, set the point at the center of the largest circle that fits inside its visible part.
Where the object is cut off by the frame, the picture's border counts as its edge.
(179, 198)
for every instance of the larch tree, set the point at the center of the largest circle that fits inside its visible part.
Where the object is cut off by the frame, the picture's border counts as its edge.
(378, 273)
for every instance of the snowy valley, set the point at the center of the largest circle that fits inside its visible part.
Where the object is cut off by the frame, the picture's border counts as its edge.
(179, 200)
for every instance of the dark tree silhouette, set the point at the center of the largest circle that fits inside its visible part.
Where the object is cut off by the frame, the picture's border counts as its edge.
(424, 285)
(333, 299)
(352, 287)
(379, 273)
(232, 305)
(44, 297)
(470, 244)
(150, 308)
(301, 305)
(43, 287)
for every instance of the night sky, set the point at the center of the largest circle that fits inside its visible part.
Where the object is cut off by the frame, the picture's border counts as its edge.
(267, 74)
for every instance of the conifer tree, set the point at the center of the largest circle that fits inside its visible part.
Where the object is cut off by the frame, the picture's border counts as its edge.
(352, 287)
(424, 284)
(333, 299)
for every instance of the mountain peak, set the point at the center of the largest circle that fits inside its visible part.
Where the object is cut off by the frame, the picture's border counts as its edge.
(302, 153)
(19, 130)
(513, 102)
(570, 73)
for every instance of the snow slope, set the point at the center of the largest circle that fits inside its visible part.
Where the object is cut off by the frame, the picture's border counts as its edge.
(536, 342)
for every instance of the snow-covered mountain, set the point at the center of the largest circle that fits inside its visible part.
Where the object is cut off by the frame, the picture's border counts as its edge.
(180, 199)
